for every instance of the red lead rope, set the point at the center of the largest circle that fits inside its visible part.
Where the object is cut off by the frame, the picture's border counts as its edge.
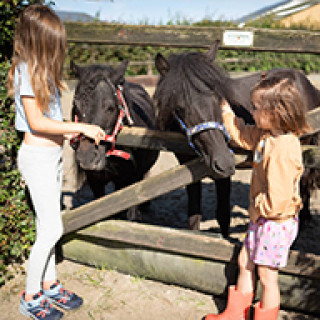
(124, 112)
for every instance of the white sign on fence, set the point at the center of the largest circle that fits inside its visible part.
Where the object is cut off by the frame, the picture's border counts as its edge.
(237, 38)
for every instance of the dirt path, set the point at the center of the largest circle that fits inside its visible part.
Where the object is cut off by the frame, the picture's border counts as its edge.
(109, 295)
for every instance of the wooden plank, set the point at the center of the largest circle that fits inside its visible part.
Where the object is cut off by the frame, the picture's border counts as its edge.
(191, 37)
(153, 139)
(203, 275)
(191, 259)
(193, 244)
(176, 142)
(134, 194)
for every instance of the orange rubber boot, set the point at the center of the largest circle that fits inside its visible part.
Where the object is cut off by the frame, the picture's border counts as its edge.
(265, 314)
(237, 308)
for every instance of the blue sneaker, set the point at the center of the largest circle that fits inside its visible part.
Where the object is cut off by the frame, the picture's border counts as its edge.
(63, 298)
(39, 308)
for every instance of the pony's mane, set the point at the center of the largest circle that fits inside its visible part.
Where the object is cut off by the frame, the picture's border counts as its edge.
(190, 73)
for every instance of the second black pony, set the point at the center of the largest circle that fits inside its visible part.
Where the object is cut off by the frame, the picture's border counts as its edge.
(188, 96)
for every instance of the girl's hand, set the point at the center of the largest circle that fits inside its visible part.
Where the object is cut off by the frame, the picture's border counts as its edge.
(225, 106)
(94, 132)
(69, 136)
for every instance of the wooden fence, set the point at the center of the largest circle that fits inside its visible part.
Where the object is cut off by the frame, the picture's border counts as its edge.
(195, 37)
(164, 254)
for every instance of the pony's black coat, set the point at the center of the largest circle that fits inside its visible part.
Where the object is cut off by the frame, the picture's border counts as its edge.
(185, 80)
(95, 102)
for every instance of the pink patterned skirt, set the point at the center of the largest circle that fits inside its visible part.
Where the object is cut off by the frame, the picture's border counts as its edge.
(269, 241)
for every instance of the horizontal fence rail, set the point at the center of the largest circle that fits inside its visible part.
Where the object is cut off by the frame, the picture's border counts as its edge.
(249, 39)
(198, 261)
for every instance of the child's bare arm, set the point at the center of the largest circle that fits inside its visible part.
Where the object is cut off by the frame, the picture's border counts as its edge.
(41, 124)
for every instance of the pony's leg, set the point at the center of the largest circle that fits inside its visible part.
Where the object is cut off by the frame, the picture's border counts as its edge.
(223, 190)
(96, 181)
(305, 214)
(133, 213)
(194, 205)
(194, 198)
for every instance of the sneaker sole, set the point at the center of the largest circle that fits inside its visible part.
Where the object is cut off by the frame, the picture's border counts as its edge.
(62, 306)
(28, 314)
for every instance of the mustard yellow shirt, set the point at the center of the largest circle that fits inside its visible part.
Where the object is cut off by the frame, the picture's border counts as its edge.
(274, 189)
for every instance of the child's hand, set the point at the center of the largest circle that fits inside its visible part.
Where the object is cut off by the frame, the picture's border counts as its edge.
(94, 132)
(69, 136)
(225, 106)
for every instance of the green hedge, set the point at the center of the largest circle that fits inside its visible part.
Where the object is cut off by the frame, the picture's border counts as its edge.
(248, 61)
(16, 219)
(17, 230)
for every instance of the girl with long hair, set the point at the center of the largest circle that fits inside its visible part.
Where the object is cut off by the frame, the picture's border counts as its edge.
(35, 82)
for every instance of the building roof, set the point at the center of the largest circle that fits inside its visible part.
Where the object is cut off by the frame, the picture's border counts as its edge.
(280, 10)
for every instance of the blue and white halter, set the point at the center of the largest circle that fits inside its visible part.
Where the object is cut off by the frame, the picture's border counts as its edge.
(190, 132)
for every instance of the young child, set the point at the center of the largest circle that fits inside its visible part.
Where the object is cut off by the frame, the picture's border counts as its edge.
(34, 80)
(274, 193)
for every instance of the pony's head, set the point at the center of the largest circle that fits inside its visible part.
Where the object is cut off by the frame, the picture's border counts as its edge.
(189, 91)
(96, 101)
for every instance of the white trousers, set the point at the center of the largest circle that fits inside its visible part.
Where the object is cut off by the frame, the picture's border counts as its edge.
(41, 168)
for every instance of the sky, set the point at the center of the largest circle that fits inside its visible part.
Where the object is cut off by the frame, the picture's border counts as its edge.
(162, 11)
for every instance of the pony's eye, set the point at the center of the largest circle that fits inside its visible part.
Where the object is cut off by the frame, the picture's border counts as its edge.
(179, 111)
(110, 108)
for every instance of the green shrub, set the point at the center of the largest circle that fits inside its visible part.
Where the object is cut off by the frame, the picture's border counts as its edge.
(246, 60)
(16, 221)
(17, 231)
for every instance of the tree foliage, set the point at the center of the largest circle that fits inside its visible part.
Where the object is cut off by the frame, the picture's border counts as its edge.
(16, 221)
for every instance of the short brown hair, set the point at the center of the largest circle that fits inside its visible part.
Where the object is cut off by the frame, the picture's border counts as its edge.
(280, 95)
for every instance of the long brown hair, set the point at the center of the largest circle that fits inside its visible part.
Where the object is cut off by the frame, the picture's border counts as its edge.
(281, 97)
(40, 41)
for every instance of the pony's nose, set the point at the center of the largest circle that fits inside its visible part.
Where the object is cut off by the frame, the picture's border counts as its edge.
(223, 167)
(90, 158)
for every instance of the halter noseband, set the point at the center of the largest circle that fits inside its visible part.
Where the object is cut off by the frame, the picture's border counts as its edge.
(190, 132)
(123, 113)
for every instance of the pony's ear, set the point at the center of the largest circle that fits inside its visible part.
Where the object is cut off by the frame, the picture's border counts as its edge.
(162, 64)
(76, 70)
(117, 76)
(212, 52)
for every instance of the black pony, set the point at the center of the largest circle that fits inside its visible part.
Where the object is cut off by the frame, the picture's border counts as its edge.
(104, 98)
(189, 93)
